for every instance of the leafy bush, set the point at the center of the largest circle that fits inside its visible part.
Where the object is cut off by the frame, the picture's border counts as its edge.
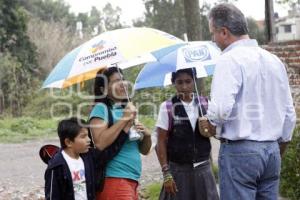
(290, 173)
(148, 121)
(24, 125)
(65, 104)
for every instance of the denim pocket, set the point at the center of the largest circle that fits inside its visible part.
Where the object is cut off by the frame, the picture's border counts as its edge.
(245, 168)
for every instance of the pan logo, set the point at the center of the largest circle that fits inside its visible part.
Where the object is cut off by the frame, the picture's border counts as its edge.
(199, 53)
(98, 46)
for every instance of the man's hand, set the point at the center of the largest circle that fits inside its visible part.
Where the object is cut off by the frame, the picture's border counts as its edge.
(283, 147)
(205, 128)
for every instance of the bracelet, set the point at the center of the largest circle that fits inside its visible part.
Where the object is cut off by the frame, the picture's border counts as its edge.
(165, 168)
(168, 177)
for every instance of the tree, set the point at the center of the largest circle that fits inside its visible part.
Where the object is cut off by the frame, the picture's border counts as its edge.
(111, 17)
(84, 19)
(166, 15)
(18, 57)
(255, 31)
(173, 15)
(51, 51)
(107, 19)
(49, 10)
(94, 20)
(13, 37)
(192, 18)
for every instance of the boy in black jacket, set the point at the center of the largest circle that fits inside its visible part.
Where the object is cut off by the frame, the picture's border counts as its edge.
(77, 171)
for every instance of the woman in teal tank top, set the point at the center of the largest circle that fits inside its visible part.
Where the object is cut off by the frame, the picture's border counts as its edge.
(111, 115)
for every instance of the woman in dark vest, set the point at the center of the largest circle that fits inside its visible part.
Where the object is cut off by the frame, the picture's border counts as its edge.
(182, 151)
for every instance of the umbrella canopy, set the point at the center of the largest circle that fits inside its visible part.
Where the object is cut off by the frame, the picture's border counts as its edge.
(128, 47)
(201, 55)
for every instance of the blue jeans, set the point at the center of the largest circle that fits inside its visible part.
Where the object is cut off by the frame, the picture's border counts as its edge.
(249, 170)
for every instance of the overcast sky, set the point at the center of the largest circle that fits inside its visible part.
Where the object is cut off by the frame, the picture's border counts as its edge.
(132, 9)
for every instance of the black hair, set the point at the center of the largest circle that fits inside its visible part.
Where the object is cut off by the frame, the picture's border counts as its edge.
(101, 82)
(69, 129)
(229, 16)
(189, 71)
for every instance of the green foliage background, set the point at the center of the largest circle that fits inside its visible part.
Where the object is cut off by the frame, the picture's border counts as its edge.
(290, 172)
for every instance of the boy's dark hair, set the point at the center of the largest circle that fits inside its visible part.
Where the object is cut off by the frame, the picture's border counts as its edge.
(190, 71)
(69, 128)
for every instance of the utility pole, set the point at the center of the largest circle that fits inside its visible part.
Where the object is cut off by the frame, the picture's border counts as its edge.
(193, 24)
(269, 20)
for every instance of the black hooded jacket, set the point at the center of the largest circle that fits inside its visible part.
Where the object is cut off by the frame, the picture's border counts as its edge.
(58, 179)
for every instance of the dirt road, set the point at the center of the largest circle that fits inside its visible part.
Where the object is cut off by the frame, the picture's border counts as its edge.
(22, 170)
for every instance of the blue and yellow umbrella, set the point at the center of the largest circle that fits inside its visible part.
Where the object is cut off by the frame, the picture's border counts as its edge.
(124, 47)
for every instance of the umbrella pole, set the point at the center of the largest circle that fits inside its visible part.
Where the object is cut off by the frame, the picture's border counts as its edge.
(134, 121)
(197, 93)
(127, 96)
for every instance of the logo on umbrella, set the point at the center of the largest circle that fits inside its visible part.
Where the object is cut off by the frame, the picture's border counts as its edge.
(98, 46)
(199, 53)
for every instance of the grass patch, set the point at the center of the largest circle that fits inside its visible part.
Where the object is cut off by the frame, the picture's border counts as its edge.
(153, 190)
(14, 130)
(215, 171)
(149, 122)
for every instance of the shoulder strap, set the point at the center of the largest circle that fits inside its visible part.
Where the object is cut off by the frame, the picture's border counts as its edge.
(110, 123)
(110, 117)
(170, 116)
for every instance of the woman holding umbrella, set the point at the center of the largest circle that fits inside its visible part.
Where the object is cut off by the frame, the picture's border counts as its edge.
(182, 150)
(112, 114)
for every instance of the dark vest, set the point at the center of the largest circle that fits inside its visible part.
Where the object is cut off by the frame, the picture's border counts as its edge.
(184, 144)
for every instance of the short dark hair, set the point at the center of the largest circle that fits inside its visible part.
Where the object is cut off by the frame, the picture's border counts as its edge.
(229, 16)
(190, 71)
(69, 128)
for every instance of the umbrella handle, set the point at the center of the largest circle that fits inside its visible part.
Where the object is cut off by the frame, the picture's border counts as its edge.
(127, 95)
(197, 93)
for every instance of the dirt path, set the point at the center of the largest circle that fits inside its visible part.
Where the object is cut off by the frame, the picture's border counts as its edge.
(22, 170)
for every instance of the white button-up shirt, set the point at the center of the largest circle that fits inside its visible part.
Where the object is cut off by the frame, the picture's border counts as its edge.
(250, 95)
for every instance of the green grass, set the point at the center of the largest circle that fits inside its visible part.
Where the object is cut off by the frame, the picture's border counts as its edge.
(153, 191)
(14, 130)
(215, 171)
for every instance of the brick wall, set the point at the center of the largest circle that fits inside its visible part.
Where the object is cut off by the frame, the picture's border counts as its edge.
(289, 53)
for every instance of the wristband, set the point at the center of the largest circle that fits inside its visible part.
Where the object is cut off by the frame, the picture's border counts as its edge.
(165, 168)
(168, 177)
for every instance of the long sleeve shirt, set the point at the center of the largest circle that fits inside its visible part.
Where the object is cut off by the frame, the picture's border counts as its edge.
(250, 95)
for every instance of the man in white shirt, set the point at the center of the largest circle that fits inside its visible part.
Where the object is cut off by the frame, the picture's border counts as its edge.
(251, 107)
